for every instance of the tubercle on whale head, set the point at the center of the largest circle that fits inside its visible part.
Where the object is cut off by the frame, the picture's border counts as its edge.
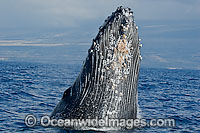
(120, 11)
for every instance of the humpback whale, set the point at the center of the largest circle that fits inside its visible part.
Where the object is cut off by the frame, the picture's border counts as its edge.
(107, 83)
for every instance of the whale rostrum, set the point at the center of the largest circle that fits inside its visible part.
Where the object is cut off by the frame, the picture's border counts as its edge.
(107, 83)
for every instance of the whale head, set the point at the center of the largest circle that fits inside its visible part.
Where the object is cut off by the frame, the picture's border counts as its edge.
(107, 83)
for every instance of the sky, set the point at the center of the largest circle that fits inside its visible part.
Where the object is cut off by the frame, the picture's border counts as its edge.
(31, 30)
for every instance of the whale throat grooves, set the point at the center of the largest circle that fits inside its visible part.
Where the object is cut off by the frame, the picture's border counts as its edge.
(107, 83)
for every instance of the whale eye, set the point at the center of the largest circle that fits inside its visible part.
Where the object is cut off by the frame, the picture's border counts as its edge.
(67, 93)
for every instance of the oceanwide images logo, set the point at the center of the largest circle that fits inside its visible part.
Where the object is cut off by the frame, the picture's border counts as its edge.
(46, 121)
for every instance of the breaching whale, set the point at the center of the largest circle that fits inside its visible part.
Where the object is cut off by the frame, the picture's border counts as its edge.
(107, 83)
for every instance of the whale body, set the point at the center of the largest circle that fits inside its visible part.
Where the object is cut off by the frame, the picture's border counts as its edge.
(107, 83)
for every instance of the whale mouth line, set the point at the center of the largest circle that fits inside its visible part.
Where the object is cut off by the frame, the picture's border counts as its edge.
(107, 83)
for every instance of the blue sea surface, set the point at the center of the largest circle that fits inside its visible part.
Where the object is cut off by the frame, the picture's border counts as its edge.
(36, 88)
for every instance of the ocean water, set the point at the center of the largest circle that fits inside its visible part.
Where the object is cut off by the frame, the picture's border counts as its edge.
(35, 88)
